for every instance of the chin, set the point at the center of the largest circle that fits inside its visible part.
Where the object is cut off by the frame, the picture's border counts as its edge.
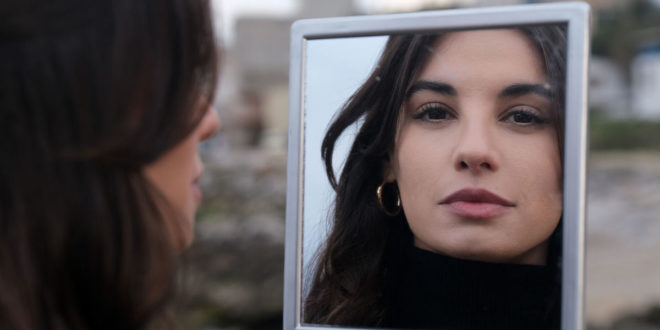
(188, 239)
(187, 229)
(474, 251)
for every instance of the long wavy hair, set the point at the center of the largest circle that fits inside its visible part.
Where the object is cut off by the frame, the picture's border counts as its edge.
(353, 266)
(90, 93)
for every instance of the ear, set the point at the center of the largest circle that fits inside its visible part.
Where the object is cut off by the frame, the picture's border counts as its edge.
(389, 173)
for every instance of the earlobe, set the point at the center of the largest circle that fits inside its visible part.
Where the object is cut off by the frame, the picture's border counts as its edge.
(388, 172)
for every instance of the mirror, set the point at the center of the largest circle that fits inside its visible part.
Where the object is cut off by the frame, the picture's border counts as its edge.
(456, 142)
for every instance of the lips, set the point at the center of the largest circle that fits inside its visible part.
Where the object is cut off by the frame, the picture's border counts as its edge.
(476, 203)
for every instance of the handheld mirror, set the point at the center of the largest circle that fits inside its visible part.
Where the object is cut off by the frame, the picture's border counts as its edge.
(436, 169)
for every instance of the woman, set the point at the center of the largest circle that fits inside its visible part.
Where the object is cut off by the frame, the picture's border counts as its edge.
(448, 206)
(103, 104)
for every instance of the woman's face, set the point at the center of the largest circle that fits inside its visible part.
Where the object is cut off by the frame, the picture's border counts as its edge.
(476, 157)
(178, 170)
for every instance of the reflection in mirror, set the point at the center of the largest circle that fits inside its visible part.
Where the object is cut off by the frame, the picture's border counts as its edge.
(443, 152)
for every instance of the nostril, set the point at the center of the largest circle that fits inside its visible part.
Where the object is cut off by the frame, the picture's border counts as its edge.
(475, 165)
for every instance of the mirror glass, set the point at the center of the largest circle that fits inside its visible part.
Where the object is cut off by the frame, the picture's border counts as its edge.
(447, 150)
(335, 70)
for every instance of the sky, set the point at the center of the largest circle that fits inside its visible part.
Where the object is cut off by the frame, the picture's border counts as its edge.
(335, 68)
(227, 11)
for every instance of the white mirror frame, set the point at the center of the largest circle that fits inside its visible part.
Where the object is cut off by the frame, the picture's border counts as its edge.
(575, 15)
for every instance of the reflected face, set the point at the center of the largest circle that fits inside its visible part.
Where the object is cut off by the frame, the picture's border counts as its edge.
(476, 155)
(178, 170)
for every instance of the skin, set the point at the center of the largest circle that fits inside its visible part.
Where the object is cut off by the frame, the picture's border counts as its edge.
(178, 170)
(479, 134)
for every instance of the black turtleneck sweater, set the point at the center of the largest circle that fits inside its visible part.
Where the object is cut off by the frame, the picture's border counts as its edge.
(432, 291)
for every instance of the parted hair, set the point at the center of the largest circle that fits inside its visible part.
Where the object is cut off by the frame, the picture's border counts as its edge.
(353, 266)
(90, 93)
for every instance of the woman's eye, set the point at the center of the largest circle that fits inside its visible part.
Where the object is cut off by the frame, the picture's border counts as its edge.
(433, 112)
(524, 117)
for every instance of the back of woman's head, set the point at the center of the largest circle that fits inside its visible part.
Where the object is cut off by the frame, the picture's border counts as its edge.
(90, 93)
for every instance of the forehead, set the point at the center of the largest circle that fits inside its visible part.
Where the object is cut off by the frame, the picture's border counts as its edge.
(506, 54)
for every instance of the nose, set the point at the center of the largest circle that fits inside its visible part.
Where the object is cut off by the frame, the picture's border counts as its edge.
(210, 124)
(475, 150)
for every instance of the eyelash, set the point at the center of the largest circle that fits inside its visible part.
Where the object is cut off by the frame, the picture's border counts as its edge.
(531, 115)
(427, 110)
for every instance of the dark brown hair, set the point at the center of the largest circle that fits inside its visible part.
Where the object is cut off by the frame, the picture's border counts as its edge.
(348, 285)
(90, 93)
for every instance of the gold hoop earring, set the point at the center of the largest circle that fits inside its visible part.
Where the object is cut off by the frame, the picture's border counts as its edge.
(379, 194)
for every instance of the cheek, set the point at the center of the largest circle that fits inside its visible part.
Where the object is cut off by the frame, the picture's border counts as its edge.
(539, 173)
(419, 162)
(422, 162)
(173, 173)
(539, 159)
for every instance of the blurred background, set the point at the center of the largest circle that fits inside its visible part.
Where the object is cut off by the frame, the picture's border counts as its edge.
(234, 271)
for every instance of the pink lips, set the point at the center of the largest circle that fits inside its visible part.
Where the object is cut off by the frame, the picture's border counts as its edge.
(476, 203)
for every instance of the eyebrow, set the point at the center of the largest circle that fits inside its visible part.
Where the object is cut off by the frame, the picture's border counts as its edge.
(510, 91)
(523, 89)
(435, 86)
